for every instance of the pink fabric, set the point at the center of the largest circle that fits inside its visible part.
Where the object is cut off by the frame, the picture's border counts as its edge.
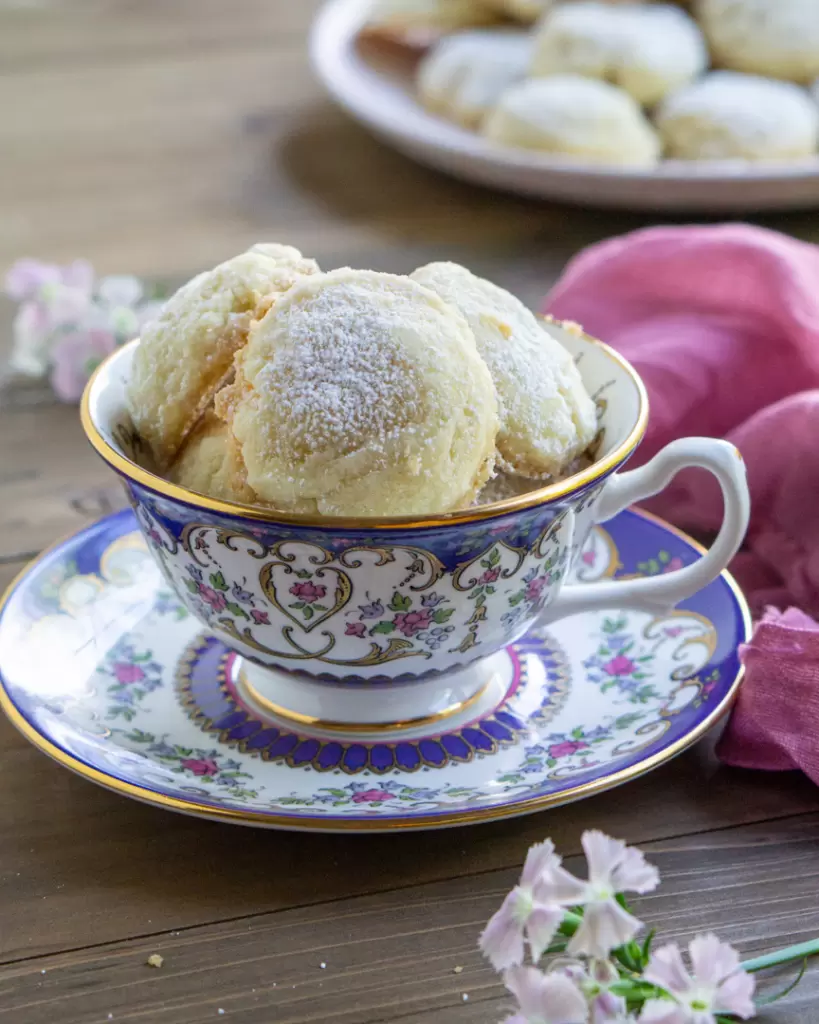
(722, 323)
(774, 723)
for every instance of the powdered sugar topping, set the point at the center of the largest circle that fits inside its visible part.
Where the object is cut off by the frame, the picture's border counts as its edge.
(342, 379)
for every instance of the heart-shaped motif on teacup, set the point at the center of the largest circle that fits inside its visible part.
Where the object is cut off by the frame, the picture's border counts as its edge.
(306, 596)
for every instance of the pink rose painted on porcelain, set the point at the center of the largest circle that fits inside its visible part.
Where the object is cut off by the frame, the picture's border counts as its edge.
(213, 597)
(410, 623)
(355, 629)
(620, 665)
(200, 765)
(535, 588)
(566, 748)
(308, 591)
(371, 796)
(127, 673)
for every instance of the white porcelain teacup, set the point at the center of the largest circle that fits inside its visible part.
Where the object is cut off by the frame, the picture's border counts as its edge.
(376, 621)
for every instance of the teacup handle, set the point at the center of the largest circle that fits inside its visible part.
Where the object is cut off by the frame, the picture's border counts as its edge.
(659, 594)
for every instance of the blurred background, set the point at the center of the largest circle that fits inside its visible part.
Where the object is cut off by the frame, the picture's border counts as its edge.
(158, 137)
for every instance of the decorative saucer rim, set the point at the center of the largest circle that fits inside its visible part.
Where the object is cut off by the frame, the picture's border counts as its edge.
(296, 822)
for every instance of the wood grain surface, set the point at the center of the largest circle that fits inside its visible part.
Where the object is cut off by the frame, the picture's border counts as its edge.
(159, 137)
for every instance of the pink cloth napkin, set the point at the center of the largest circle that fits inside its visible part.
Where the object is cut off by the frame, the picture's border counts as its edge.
(773, 725)
(722, 323)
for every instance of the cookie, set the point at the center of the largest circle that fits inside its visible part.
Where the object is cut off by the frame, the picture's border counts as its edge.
(777, 38)
(728, 115)
(575, 117)
(546, 417)
(463, 76)
(186, 354)
(363, 394)
(649, 50)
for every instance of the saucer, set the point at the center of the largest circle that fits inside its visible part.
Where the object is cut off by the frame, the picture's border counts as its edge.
(104, 670)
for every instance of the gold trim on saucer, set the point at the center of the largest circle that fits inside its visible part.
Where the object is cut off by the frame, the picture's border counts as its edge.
(131, 471)
(356, 727)
(394, 824)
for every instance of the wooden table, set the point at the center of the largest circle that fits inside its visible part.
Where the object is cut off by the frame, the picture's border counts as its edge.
(159, 137)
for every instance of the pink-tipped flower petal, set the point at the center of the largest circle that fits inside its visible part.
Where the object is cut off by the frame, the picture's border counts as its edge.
(612, 863)
(634, 873)
(25, 278)
(501, 941)
(667, 970)
(540, 858)
(605, 926)
(712, 960)
(546, 998)
(30, 354)
(79, 275)
(662, 1011)
(541, 926)
(120, 290)
(716, 983)
(75, 357)
(560, 886)
(608, 1008)
(602, 853)
(735, 995)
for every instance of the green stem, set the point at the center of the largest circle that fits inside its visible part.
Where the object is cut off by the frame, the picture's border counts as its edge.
(571, 922)
(782, 956)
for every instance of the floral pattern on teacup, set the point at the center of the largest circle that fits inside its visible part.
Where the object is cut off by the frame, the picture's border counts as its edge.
(323, 609)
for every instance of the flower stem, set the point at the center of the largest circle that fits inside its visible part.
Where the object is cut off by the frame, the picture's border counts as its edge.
(571, 922)
(782, 956)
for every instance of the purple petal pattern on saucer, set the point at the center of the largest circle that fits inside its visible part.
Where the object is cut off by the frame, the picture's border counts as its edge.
(207, 687)
(103, 669)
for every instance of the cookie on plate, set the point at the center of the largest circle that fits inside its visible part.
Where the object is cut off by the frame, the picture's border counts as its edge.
(728, 115)
(778, 38)
(363, 394)
(571, 116)
(649, 50)
(463, 76)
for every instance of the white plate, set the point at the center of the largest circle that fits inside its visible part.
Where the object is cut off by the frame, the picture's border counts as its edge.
(384, 103)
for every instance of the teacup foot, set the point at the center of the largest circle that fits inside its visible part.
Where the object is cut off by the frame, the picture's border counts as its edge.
(399, 708)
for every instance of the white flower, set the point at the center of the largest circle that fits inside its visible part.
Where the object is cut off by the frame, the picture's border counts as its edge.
(30, 354)
(717, 984)
(545, 998)
(123, 321)
(120, 290)
(595, 979)
(524, 912)
(661, 1011)
(613, 868)
(25, 278)
(64, 305)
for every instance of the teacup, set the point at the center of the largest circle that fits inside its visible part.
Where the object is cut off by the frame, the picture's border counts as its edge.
(375, 621)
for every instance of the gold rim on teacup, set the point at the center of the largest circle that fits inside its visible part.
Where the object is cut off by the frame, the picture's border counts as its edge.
(600, 468)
